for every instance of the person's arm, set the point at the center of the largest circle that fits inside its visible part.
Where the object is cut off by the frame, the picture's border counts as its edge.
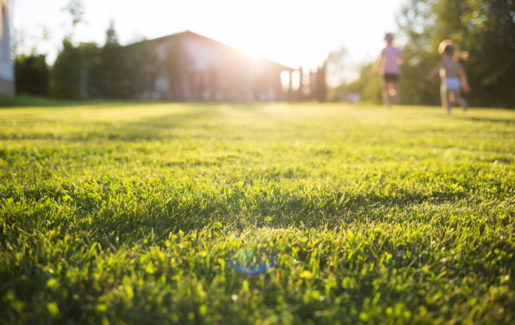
(435, 71)
(400, 59)
(463, 79)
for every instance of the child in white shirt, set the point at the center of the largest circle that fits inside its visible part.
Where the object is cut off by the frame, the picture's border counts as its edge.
(453, 77)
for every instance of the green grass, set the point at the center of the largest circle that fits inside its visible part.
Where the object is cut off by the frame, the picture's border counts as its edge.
(134, 213)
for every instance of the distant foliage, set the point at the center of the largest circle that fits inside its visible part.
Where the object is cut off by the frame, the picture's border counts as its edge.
(32, 75)
(368, 85)
(140, 69)
(113, 66)
(177, 67)
(321, 84)
(66, 73)
(114, 72)
(318, 84)
(484, 28)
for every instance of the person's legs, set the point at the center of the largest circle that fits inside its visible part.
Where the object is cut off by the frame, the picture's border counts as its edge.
(395, 87)
(460, 100)
(454, 96)
(385, 93)
(389, 88)
(451, 96)
(444, 97)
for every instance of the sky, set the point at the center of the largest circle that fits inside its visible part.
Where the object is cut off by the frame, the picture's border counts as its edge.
(292, 32)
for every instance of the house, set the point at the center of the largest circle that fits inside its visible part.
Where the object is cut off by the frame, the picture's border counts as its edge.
(6, 63)
(191, 67)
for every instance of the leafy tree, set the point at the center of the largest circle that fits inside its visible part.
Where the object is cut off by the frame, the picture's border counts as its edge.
(113, 65)
(92, 74)
(66, 73)
(176, 65)
(368, 85)
(77, 72)
(76, 10)
(419, 54)
(32, 75)
(141, 68)
(490, 38)
(317, 83)
(300, 91)
(484, 28)
(129, 71)
(338, 66)
(113, 71)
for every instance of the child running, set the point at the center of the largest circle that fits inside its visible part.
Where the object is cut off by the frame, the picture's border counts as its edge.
(389, 61)
(452, 76)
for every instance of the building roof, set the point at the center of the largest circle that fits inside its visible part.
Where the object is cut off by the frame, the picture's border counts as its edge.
(190, 34)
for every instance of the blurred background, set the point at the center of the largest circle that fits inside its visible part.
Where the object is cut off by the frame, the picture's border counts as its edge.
(231, 50)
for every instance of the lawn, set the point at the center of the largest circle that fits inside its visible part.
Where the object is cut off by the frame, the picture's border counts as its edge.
(256, 213)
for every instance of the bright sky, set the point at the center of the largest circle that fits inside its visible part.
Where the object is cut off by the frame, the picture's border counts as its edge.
(291, 32)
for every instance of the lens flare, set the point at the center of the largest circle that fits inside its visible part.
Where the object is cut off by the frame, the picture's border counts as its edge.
(254, 252)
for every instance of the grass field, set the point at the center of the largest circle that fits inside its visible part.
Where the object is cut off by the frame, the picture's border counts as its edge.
(155, 213)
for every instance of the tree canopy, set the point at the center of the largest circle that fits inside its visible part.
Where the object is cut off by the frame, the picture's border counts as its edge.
(482, 28)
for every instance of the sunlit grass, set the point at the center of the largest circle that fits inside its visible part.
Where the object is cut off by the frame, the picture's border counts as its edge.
(139, 213)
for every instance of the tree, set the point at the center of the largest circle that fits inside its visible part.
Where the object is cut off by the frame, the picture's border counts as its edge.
(32, 75)
(111, 37)
(113, 71)
(113, 65)
(77, 72)
(76, 10)
(317, 83)
(482, 27)
(490, 38)
(321, 85)
(141, 68)
(92, 74)
(300, 91)
(177, 66)
(338, 67)
(368, 85)
(66, 73)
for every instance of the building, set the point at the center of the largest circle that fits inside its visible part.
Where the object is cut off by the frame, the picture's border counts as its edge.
(188, 66)
(6, 63)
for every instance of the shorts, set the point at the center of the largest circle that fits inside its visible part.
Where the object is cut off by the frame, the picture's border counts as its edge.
(452, 84)
(391, 77)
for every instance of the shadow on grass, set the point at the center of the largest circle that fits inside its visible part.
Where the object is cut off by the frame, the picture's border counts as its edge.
(489, 120)
(144, 129)
(105, 212)
(152, 128)
(24, 101)
(158, 219)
